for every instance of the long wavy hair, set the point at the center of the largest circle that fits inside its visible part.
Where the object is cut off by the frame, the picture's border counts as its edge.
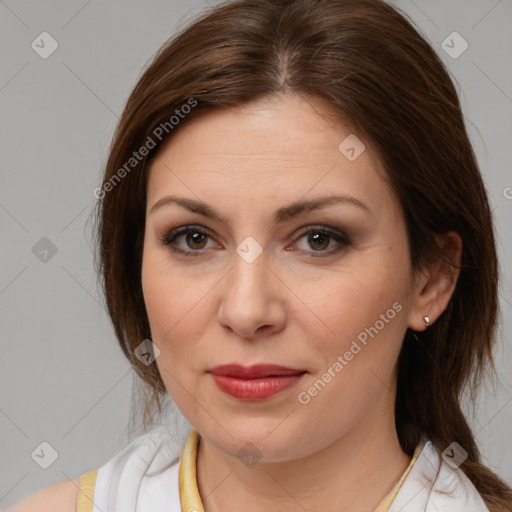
(369, 63)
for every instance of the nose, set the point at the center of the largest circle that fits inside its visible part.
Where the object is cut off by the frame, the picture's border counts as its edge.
(252, 302)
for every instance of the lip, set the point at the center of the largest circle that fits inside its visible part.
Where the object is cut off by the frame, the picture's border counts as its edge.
(255, 371)
(257, 382)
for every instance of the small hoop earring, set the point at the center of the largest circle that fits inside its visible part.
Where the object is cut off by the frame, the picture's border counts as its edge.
(426, 319)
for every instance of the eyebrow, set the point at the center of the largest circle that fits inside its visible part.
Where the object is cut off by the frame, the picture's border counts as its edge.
(281, 215)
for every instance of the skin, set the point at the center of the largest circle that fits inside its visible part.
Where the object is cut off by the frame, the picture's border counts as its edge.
(294, 305)
(58, 497)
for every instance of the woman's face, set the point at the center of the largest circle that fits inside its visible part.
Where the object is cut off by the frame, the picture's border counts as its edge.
(324, 290)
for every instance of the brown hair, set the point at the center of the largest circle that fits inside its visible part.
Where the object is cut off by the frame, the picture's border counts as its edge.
(369, 63)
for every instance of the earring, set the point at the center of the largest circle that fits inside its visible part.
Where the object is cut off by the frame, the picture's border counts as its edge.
(426, 319)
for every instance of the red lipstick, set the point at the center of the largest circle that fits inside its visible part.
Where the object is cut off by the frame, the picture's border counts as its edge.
(256, 382)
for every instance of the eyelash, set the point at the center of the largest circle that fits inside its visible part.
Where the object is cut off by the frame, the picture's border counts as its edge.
(339, 236)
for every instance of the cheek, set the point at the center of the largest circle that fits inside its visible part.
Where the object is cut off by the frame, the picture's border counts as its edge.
(169, 321)
(355, 298)
(356, 359)
(178, 308)
(168, 295)
(363, 313)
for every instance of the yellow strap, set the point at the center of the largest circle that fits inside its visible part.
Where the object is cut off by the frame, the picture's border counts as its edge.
(189, 492)
(85, 497)
(384, 505)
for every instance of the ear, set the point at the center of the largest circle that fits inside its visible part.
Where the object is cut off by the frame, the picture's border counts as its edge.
(435, 286)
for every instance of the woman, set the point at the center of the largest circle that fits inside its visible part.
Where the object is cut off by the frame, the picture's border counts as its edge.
(296, 246)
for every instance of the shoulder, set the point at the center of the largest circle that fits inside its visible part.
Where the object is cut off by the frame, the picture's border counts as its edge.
(58, 497)
(146, 469)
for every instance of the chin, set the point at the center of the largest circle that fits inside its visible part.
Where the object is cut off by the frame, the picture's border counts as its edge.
(258, 439)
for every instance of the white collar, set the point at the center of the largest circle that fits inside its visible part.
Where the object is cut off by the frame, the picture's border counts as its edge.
(432, 485)
(144, 477)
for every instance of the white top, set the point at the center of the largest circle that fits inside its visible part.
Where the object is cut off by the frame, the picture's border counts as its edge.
(144, 478)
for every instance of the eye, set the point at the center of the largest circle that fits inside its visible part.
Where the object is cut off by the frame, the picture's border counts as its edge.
(319, 238)
(192, 237)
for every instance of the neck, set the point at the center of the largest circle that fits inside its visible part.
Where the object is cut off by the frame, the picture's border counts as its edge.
(354, 473)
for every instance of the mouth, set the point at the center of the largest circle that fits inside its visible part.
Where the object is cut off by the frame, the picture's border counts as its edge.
(255, 383)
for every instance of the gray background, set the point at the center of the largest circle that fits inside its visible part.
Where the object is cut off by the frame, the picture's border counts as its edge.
(63, 378)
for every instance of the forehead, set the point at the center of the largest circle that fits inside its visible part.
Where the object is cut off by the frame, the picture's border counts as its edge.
(287, 147)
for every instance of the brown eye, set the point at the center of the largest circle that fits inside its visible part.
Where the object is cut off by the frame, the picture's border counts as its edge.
(187, 240)
(195, 240)
(320, 240)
